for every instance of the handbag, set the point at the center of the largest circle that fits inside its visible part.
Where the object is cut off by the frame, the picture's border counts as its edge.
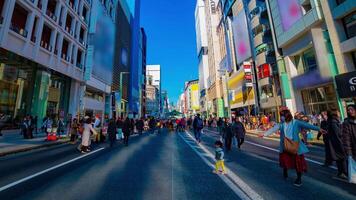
(352, 170)
(291, 146)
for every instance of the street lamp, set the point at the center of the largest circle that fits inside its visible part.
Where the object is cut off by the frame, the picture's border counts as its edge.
(121, 75)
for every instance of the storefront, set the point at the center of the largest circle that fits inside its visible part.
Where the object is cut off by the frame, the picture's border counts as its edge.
(29, 88)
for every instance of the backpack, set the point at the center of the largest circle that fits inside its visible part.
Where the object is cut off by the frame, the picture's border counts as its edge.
(200, 124)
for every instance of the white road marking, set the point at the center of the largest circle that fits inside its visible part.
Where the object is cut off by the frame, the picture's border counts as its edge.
(232, 180)
(46, 170)
(276, 150)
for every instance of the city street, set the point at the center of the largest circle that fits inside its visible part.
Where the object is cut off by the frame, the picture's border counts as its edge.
(164, 166)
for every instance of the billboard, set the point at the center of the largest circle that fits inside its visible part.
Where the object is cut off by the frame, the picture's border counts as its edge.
(241, 37)
(194, 96)
(103, 41)
(290, 12)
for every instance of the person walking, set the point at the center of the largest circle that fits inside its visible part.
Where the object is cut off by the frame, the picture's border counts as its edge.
(152, 125)
(220, 125)
(349, 140)
(88, 128)
(291, 149)
(126, 129)
(219, 158)
(337, 151)
(198, 125)
(112, 129)
(324, 125)
(74, 130)
(140, 126)
(227, 134)
(239, 132)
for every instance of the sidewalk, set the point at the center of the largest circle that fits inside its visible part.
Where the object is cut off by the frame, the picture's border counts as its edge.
(12, 142)
(276, 136)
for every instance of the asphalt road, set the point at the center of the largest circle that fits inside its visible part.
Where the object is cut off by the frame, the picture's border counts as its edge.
(152, 167)
(164, 166)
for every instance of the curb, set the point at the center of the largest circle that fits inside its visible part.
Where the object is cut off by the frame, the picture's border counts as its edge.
(2, 154)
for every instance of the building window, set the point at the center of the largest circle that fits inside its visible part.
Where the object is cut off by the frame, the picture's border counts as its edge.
(266, 91)
(306, 7)
(18, 20)
(306, 61)
(338, 2)
(1, 8)
(46, 37)
(350, 24)
(353, 54)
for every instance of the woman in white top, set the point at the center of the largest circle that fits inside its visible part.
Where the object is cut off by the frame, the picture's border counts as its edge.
(88, 128)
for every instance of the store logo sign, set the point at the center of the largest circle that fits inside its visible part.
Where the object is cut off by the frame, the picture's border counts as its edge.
(352, 81)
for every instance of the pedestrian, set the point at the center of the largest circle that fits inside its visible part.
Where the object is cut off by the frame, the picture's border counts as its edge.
(152, 125)
(227, 134)
(74, 130)
(291, 150)
(140, 126)
(198, 125)
(88, 128)
(219, 158)
(60, 128)
(335, 143)
(47, 125)
(132, 126)
(220, 124)
(349, 140)
(324, 125)
(112, 129)
(126, 129)
(239, 132)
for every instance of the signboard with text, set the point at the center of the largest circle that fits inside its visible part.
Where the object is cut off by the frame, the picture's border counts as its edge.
(346, 85)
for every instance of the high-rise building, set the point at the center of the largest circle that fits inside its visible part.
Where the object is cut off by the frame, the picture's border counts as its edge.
(143, 44)
(215, 92)
(100, 59)
(153, 73)
(307, 60)
(268, 84)
(202, 52)
(191, 94)
(127, 70)
(239, 57)
(42, 56)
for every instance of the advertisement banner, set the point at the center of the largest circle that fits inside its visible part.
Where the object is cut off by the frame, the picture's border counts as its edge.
(290, 12)
(241, 37)
(346, 85)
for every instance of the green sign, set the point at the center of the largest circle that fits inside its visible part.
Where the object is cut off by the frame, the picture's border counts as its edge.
(220, 110)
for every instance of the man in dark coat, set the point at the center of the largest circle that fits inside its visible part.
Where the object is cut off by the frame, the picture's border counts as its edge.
(140, 125)
(324, 125)
(126, 129)
(198, 125)
(239, 132)
(112, 132)
(335, 142)
(152, 125)
(349, 132)
(227, 131)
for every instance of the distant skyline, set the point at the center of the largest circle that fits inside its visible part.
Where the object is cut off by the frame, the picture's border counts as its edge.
(170, 29)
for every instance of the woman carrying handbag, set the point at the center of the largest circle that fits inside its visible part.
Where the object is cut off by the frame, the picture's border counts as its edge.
(291, 148)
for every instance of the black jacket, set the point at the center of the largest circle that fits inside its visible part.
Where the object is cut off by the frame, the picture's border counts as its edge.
(126, 129)
(112, 130)
(335, 139)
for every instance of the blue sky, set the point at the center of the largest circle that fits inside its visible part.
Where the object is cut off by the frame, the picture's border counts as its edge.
(170, 29)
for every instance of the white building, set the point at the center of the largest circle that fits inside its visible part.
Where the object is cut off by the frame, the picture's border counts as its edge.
(202, 52)
(153, 73)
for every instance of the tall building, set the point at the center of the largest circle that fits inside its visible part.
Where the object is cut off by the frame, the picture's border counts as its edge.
(127, 70)
(268, 84)
(152, 98)
(307, 60)
(202, 52)
(100, 59)
(136, 57)
(238, 61)
(340, 18)
(143, 44)
(191, 94)
(215, 93)
(42, 56)
(153, 73)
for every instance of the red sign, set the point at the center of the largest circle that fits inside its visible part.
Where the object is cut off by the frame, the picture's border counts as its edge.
(264, 71)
